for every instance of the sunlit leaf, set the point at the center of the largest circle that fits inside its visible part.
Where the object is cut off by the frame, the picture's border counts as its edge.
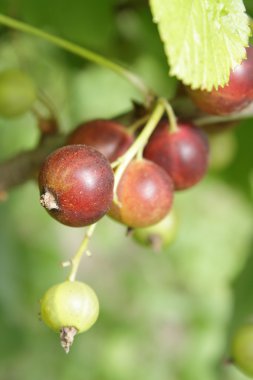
(203, 39)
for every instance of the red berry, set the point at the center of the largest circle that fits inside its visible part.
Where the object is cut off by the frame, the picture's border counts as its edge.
(76, 185)
(183, 154)
(108, 137)
(236, 95)
(145, 193)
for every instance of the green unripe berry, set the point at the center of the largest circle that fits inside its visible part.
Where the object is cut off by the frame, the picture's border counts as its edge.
(160, 235)
(242, 349)
(17, 93)
(70, 307)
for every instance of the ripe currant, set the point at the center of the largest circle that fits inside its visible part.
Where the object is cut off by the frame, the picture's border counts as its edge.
(145, 194)
(107, 136)
(76, 185)
(236, 95)
(183, 153)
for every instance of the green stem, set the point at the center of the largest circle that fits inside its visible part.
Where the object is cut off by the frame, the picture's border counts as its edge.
(82, 52)
(138, 145)
(79, 254)
(171, 116)
(137, 124)
(47, 102)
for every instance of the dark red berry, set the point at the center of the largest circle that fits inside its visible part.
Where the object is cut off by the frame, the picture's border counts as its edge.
(108, 137)
(76, 185)
(183, 153)
(236, 95)
(145, 193)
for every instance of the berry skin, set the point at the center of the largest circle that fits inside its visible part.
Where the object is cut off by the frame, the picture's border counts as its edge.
(145, 194)
(183, 153)
(69, 308)
(108, 137)
(236, 95)
(158, 236)
(242, 349)
(76, 185)
(17, 93)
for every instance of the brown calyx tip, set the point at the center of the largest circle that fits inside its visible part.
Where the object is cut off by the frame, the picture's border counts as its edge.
(67, 335)
(129, 231)
(3, 195)
(228, 361)
(48, 201)
(156, 242)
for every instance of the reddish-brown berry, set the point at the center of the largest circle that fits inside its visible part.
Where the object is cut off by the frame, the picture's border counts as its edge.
(183, 153)
(236, 95)
(76, 185)
(145, 194)
(107, 136)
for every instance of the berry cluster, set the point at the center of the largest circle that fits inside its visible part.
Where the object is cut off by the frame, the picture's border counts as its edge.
(78, 185)
(76, 181)
(77, 188)
(130, 174)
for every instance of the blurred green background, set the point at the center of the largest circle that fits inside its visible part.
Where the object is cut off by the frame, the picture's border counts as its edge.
(166, 316)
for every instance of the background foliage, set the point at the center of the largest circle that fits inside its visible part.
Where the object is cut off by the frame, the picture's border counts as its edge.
(166, 316)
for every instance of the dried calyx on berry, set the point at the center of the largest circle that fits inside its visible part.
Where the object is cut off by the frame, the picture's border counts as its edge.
(76, 185)
(69, 308)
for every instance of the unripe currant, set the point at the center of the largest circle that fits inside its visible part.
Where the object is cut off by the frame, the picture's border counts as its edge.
(69, 308)
(17, 93)
(242, 349)
(159, 235)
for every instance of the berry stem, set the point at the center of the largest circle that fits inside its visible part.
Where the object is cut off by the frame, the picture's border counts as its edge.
(75, 261)
(135, 80)
(171, 116)
(138, 145)
(47, 103)
(137, 124)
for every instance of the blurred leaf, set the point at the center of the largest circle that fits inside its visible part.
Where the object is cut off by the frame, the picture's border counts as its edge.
(155, 75)
(83, 22)
(97, 92)
(243, 303)
(249, 7)
(240, 173)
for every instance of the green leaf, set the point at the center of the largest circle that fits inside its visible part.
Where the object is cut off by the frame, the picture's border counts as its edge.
(203, 39)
